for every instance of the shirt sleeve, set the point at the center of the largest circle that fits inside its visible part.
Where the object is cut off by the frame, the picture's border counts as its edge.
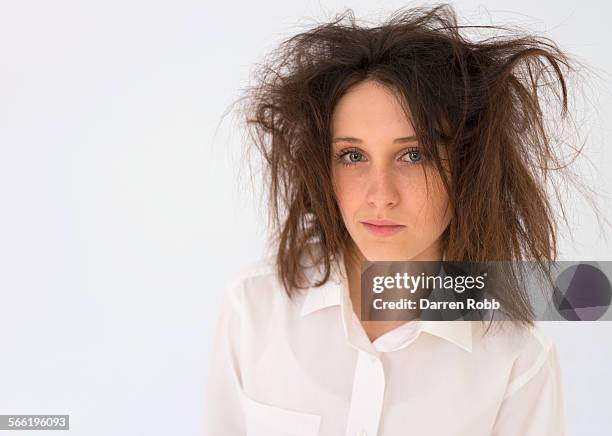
(223, 414)
(534, 403)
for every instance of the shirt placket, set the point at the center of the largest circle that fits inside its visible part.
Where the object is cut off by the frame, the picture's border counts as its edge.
(368, 381)
(367, 396)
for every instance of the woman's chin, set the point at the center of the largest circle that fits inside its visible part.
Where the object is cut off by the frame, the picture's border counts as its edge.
(395, 256)
(377, 256)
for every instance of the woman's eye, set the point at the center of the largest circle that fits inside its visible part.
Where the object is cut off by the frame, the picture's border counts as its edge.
(350, 157)
(354, 156)
(413, 156)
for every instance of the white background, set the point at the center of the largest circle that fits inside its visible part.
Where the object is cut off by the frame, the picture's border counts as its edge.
(123, 214)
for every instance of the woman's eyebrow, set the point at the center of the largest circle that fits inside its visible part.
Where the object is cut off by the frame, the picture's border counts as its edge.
(360, 141)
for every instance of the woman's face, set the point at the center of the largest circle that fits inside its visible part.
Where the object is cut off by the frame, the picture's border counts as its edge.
(378, 174)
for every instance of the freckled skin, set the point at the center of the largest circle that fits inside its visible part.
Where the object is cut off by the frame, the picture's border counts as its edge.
(383, 184)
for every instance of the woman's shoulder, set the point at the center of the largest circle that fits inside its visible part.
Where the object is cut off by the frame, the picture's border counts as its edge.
(523, 350)
(508, 337)
(262, 268)
(255, 285)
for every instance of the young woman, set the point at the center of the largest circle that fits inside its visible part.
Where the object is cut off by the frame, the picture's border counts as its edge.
(405, 141)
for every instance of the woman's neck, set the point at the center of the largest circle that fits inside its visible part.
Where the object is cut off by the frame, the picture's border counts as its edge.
(353, 257)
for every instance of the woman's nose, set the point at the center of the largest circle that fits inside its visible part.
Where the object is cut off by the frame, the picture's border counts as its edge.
(382, 189)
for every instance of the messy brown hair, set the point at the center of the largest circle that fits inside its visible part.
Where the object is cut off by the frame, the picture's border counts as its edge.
(485, 101)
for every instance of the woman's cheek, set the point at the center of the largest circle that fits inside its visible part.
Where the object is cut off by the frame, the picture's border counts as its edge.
(347, 188)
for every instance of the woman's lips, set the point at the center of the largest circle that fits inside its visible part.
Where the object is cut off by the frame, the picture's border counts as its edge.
(386, 230)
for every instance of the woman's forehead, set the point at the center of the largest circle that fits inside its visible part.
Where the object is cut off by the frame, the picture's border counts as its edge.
(370, 109)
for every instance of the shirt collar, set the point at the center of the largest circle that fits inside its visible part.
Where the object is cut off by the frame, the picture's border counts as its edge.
(328, 294)
(335, 293)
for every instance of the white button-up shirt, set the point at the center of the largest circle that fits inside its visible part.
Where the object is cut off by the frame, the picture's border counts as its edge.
(305, 366)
